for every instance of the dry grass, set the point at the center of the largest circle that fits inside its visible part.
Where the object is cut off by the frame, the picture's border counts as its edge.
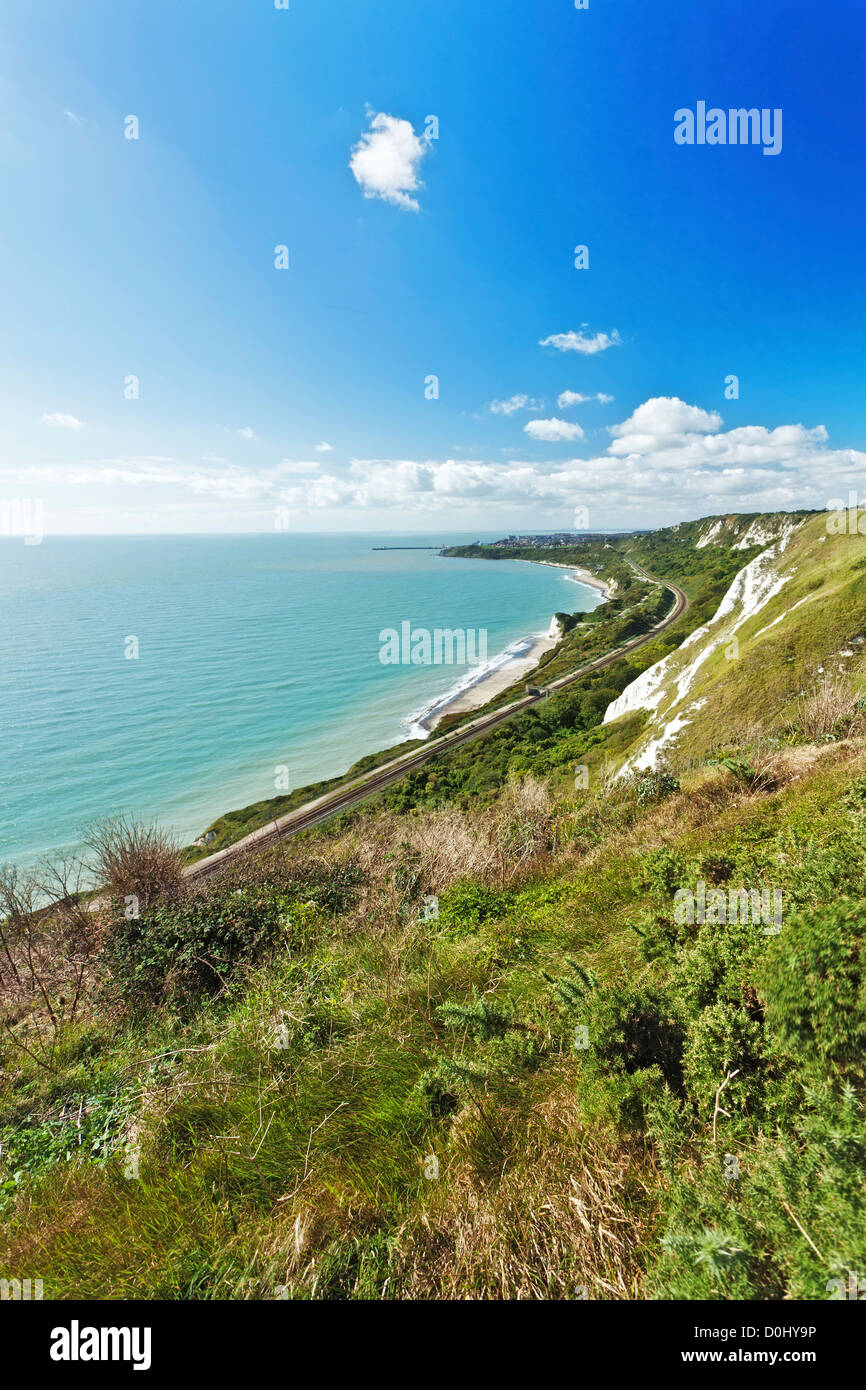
(567, 1222)
(832, 708)
(135, 861)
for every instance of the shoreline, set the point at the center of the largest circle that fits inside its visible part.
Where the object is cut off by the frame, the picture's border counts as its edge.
(484, 683)
(583, 576)
(517, 660)
(515, 663)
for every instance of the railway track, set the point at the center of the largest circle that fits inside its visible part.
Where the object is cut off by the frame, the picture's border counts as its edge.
(332, 803)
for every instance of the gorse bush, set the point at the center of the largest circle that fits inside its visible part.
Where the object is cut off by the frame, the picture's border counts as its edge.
(814, 984)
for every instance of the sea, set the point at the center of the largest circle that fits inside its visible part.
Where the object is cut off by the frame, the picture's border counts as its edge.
(173, 678)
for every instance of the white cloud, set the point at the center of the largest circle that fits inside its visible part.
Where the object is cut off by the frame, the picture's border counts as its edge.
(668, 461)
(668, 415)
(661, 424)
(552, 430)
(581, 342)
(514, 403)
(65, 422)
(385, 161)
(569, 398)
(291, 466)
(324, 448)
(247, 432)
(71, 116)
(667, 476)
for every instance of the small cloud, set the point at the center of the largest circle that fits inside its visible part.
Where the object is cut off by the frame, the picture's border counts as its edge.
(513, 404)
(569, 398)
(581, 342)
(324, 448)
(290, 466)
(664, 417)
(385, 161)
(61, 421)
(247, 432)
(552, 430)
(71, 116)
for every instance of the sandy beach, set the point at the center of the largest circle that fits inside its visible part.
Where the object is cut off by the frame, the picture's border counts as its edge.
(490, 683)
(581, 576)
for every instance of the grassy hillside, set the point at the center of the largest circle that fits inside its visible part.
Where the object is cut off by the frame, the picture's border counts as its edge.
(466, 1042)
(790, 629)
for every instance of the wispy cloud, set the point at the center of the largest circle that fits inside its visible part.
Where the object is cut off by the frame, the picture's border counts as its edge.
(565, 399)
(386, 160)
(580, 342)
(247, 432)
(62, 421)
(513, 404)
(291, 466)
(324, 448)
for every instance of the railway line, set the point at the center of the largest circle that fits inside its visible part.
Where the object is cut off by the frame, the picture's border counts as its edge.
(342, 798)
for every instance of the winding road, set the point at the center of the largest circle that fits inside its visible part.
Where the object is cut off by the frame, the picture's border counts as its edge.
(332, 803)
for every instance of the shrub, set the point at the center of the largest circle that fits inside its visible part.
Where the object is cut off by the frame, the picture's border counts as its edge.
(632, 1027)
(468, 905)
(720, 964)
(664, 871)
(179, 952)
(482, 1019)
(629, 1027)
(855, 796)
(814, 983)
(437, 1090)
(655, 786)
(721, 1040)
(134, 860)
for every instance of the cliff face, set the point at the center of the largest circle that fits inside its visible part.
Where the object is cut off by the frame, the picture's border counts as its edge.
(793, 616)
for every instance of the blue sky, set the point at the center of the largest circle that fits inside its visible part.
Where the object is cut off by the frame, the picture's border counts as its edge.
(155, 258)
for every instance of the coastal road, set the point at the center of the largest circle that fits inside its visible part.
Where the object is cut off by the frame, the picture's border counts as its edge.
(332, 803)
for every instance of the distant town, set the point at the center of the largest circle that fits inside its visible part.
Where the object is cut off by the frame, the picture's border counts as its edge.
(569, 538)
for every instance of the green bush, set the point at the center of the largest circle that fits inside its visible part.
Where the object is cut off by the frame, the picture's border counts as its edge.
(182, 951)
(814, 983)
(632, 1027)
(655, 786)
(467, 905)
(721, 1040)
(719, 965)
(664, 871)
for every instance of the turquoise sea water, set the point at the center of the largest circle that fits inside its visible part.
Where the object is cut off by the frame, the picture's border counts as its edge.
(255, 652)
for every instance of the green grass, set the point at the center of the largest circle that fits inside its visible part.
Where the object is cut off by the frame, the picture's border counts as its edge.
(298, 1083)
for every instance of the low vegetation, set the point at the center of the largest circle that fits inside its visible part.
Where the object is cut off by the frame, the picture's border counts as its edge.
(517, 1028)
